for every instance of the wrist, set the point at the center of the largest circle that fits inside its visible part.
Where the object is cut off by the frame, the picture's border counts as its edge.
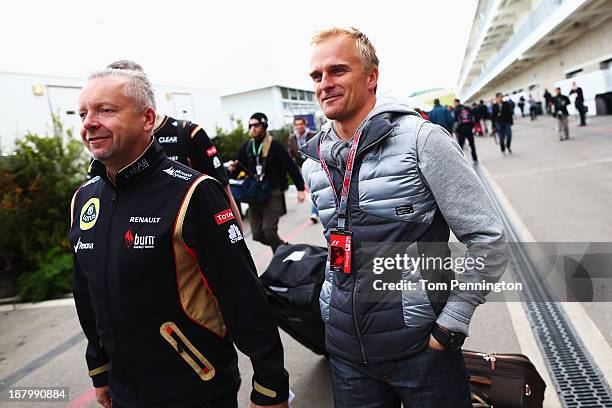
(450, 340)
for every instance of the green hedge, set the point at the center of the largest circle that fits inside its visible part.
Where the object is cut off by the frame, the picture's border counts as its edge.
(37, 183)
(229, 141)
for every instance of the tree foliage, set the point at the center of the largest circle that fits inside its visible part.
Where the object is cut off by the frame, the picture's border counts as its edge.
(229, 141)
(36, 184)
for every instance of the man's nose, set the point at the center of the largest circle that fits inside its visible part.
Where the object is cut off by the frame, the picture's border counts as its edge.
(327, 81)
(89, 122)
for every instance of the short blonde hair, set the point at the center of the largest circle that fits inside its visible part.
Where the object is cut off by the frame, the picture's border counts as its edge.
(365, 49)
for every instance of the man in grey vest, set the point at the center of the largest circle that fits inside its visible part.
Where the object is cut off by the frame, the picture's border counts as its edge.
(390, 186)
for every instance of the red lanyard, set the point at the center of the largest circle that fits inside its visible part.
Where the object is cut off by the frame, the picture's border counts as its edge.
(348, 175)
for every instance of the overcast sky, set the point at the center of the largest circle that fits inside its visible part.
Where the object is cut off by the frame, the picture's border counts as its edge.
(234, 45)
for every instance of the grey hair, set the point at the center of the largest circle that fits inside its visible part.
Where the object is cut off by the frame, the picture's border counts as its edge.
(138, 87)
(126, 64)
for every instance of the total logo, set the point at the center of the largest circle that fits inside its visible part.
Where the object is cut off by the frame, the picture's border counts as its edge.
(83, 245)
(178, 173)
(211, 151)
(167, 139)
(135, 241)
(224, 216)
(234, 233)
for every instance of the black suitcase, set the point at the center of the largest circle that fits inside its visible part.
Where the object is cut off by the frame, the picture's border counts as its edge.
(292, 283)
(508, 380)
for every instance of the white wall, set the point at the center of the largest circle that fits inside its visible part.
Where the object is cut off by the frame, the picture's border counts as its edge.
(22, 111)
(203, 106)
(593, 83)
(266, 100)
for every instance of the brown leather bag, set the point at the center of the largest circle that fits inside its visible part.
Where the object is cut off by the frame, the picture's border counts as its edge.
(509, 380)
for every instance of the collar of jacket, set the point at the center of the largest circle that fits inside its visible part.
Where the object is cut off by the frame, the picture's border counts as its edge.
(376, 128)
(138, 169)
(267, 142)
(308, 133)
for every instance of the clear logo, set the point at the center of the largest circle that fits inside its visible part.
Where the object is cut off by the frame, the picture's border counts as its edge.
(167, 139)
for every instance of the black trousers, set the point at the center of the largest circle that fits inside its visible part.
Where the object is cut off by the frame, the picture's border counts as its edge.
(263, 220)
(227, 400)
(463, 134)
(582, 112)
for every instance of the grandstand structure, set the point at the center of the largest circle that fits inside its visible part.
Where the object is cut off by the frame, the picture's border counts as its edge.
(523, 47)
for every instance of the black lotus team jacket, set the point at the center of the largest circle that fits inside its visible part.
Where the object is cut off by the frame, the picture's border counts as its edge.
(162, 278)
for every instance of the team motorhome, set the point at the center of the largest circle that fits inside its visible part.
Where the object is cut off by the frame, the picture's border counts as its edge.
(28, 100)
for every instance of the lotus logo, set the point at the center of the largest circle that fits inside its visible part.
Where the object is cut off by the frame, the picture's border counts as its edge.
(89, 213)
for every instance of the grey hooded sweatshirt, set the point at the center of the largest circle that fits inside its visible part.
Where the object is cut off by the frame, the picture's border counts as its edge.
(410, 184)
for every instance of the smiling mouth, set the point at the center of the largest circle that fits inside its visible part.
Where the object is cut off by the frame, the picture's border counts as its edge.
(326, 99)
(97, 139)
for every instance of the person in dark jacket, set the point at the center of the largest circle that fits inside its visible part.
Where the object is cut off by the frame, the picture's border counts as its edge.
(503, 113)
(476, 117)
(187, 142)
(484, 115)
(579, 103)
(521, 105)
(441, 116)
(301, 134)
(533, 108)
(267, 159)
(464, 119)
(560, 103)
(153, 241)
(548, 101)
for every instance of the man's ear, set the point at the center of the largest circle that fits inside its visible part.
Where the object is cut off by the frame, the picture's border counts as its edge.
(373, 80)
(149, 119)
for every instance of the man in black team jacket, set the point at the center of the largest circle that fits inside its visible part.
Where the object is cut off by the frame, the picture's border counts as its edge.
(187, 142)
(161, 271)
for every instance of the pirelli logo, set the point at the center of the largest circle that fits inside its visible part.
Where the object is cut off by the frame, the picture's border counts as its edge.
(224, 216)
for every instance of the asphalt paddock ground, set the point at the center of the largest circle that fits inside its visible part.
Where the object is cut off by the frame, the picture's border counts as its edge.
(560, 191)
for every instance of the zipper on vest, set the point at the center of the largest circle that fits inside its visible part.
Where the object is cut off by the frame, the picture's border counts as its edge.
(362, 348)
(354, 297)
(114, 198)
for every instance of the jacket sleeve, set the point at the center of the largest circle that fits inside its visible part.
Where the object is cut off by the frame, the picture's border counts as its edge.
(229, 271)
(494, 116)
(291, 167)
(95, 355)
(292, 148)
(470, 214)
(206, 158)
(450, 119)
(242, 159)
